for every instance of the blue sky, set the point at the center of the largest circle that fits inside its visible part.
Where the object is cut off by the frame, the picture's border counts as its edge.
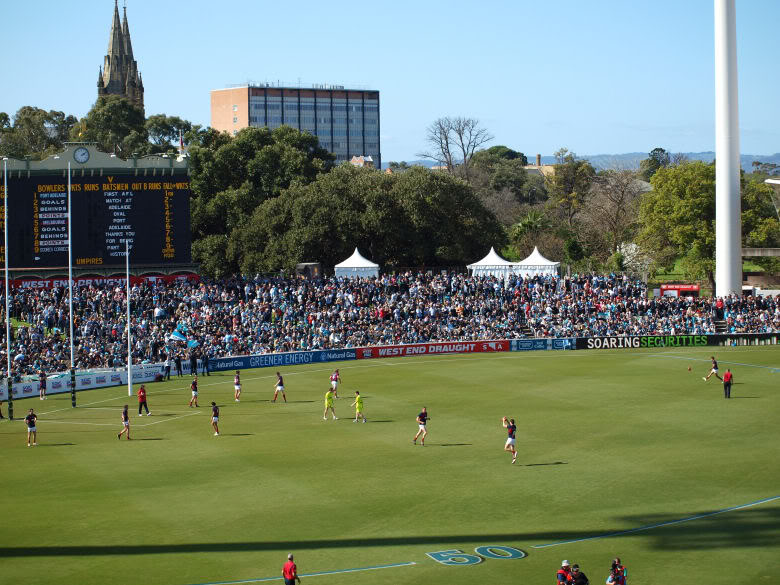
(598, 76)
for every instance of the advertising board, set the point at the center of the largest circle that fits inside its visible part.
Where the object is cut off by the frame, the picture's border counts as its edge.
(432, 348)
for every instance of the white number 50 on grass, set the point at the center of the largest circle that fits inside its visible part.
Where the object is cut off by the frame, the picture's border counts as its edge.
(456, 557)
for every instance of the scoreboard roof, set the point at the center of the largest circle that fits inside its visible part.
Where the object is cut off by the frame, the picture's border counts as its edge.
(86, 157)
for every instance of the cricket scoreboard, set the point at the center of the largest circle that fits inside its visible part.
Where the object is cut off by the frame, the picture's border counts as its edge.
(151, 213)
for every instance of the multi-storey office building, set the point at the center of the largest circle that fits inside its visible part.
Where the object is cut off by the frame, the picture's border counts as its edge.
(346, 121)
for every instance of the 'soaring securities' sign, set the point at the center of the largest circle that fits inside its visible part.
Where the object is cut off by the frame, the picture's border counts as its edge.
(151, 214)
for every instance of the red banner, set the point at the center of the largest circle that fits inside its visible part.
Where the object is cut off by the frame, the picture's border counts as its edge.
(431, 348)
(101, 280)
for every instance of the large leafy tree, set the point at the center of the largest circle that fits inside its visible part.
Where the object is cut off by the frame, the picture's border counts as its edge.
(415, 218)
(678, 218)
(233, 176)
(116, 124)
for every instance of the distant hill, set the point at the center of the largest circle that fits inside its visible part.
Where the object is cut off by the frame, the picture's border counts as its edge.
(631, 160)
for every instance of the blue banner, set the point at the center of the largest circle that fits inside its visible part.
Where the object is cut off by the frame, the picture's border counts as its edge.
(541, 344)
(273, 360)
(528, 344)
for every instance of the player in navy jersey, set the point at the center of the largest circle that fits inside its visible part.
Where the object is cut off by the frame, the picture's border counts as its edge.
(279, 387)
(32, 430)
(125, 424)
(511, 429)
(237, 386)
(714, 370)
(215, 418)
(422, 421)
(194, 389)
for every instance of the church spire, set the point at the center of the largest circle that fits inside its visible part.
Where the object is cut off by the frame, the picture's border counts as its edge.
(120, 74)
(128, 46)
(116, 45)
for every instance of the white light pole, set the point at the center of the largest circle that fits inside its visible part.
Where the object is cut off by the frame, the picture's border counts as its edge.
(8, 385)
(728, 226)
(70, 295)
(129, 335)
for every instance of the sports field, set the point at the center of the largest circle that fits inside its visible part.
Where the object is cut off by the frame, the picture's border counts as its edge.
(609, 441)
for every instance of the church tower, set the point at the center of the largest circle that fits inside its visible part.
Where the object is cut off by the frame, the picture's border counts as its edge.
(119, 74)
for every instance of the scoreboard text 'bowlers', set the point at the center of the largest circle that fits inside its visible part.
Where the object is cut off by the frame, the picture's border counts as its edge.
(152, 213)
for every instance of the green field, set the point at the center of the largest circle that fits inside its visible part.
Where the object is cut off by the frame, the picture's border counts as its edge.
(609, 441)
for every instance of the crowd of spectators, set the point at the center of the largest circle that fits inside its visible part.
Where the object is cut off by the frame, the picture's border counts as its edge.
(210, 319)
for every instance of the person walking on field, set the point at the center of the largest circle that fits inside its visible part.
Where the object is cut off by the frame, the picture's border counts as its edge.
(142, 401)
(215, 418)
(42, 384)
(358, 404)
(177, 362)
(237, 386)
(194, 389)
(125, 424)
(714, 370)
(32, 430)
(329, 405)
(510, 445)
(728, 378)
(335, 378)
(290, 572)
(279, 387)
(422, 421)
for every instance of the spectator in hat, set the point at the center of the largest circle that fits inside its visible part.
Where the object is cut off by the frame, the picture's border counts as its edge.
(563, 576)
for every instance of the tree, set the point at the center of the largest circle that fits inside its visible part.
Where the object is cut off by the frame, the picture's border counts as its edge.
(678, 218)
(232, 176)
(502, 152)
(613, 207)
(414, 218)
(35, 132)
(658, 158)
(399, 167)
(453, 141)
(760, 221)
(570, 184)
(164, 132)
(116, 124)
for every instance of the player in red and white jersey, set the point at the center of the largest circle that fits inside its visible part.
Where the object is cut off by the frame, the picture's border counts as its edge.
(335, 378)
(237, 386)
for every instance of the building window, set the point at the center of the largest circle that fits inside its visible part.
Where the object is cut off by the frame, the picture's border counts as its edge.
(235, 119)
(235, 108)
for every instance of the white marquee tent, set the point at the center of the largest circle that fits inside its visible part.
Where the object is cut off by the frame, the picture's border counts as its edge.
(357, 267)
(493, 265)
(537, 265)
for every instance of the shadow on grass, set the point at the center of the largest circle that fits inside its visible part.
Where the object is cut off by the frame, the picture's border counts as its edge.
(543, 464)
(453, 444)
(740, 397)
(151, 439)
(56, 444)
(384, 420)
(236, 434)
(737, 529)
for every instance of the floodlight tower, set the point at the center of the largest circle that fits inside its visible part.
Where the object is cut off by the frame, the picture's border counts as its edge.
(728, 226)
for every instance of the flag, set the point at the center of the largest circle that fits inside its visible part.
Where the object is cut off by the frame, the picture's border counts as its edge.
(178, 336)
